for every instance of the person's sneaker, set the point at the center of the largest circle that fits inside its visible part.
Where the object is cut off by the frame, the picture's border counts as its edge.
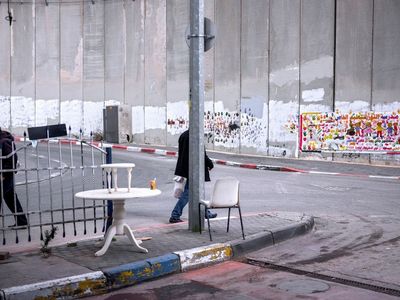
(173, 220)
(212, 215)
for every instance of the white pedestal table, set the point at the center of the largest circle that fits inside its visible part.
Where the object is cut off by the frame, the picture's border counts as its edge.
(119, 226)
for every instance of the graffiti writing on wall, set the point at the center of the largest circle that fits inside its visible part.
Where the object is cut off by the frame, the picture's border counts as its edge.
(228, 129)
(360, 131)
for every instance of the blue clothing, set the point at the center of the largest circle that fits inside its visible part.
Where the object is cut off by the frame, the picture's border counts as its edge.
(181, 203)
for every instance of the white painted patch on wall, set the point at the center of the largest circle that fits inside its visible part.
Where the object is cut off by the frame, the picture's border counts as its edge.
(92, 117)
(155, 117)
(71, 114)
(279, 112)
(315, 108)
(314, 95)
(5, 112)
(137, 119)
(22, 112)
(387, 107)
(284, 76)
(45, 110)
(111, 102)
(317, 69)
(358, 105)
(176, 112)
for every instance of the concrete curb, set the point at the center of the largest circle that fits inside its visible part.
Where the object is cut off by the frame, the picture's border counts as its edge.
(129, 274)
(66, 288)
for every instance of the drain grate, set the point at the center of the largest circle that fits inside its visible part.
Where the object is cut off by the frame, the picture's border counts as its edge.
(354, 283)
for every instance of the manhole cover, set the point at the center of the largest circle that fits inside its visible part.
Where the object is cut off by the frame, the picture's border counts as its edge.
(303, 286)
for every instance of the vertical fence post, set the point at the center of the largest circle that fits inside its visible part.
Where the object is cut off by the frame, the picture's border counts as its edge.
(109, 203)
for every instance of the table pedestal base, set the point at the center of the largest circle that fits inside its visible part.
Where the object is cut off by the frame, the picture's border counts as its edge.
(118, 227)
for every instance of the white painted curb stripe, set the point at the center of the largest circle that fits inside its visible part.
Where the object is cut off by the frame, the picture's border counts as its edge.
(203, 256)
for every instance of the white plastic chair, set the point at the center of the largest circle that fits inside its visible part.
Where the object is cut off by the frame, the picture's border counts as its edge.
(225, 195)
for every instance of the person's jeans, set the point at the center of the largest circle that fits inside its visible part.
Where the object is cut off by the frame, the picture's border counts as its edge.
(182, 201)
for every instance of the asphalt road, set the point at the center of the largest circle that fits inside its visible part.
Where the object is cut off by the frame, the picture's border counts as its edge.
(356, 236)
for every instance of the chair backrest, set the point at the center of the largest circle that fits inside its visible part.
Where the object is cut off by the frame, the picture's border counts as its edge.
(226, 192)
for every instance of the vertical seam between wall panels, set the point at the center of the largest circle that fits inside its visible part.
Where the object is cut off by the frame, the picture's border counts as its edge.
(82, 5)
(240, 75)
(213, 79)
(166, 76)
(34, 69)
(59, 63)
(268, 75)
(144, 69)
(104, 57)
(300, 56)
(372, 54)
(334, 57)
(10, 71)
(125, 47)
(300, 45)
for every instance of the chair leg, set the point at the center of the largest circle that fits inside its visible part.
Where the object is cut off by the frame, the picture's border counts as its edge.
(208, 223)
(200, 217)
(241, 221)
(229, 216)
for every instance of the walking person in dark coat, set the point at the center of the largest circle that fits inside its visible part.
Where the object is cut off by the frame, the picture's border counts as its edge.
(7, 192)
(182, 169)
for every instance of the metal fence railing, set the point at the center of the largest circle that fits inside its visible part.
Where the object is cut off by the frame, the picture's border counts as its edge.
(38, 192)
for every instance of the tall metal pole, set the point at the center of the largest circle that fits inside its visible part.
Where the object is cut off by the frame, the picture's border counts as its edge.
(196, 113)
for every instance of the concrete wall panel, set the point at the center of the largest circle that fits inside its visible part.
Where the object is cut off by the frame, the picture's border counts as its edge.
(47, 60)
(254, 71)
(284, 74)
(317, 51)
(209, 56)
(134, 76)
(386, 55)
(93, 52)
(177, 70)
(5, 80)
(155, 72)
(114, 50)
(353, 55)
(22, 68)
(71, 55)
(227, 74)
(93, 66)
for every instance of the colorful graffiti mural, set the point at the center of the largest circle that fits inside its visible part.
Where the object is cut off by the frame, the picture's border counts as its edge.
(360, 131)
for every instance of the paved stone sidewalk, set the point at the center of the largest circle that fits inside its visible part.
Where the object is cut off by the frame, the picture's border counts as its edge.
(29, 268)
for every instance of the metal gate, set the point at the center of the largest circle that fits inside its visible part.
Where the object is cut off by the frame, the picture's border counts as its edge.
(43, 184)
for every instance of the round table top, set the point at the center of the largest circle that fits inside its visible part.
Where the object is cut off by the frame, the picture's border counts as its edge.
(121, 194)
(118, 165)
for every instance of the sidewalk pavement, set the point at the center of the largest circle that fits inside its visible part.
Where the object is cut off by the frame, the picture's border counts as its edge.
(72, 270)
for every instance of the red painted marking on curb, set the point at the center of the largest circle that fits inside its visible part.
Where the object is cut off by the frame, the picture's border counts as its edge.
(248, 166)
(287, 169)
(172, 153)
(147, 150)
(220, 162)
(393, 153)
(120, 147)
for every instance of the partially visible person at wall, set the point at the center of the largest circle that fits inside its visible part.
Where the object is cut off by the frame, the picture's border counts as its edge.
(7, 193)
(182, 169)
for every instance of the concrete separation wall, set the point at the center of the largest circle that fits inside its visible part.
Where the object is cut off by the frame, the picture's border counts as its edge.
(129, 274)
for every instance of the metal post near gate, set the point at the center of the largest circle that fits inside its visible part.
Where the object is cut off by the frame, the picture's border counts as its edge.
(109, 203)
